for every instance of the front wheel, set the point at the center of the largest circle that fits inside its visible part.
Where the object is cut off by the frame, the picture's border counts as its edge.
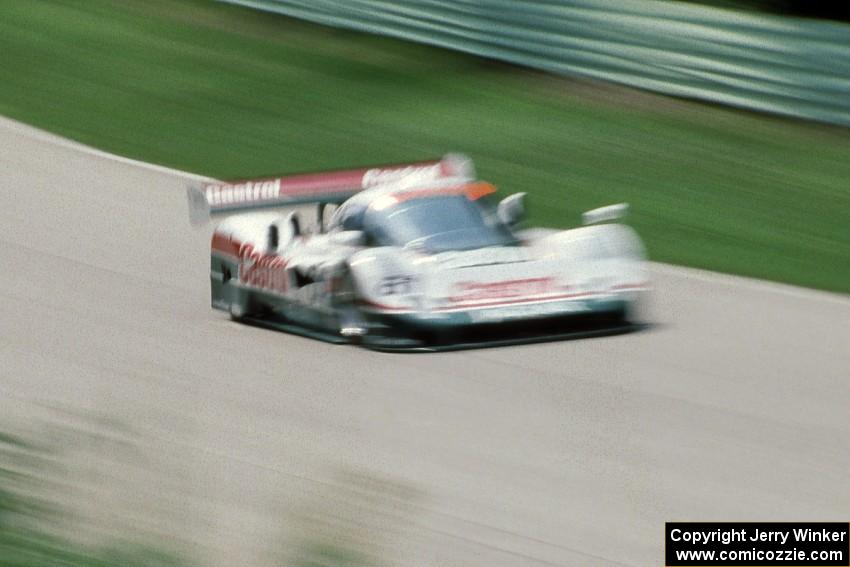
(350, 322)
(638, 311)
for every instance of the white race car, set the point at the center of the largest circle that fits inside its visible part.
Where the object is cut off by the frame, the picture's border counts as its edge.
(414, 256)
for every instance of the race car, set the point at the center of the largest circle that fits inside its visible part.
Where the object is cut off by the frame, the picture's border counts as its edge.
(413, 256)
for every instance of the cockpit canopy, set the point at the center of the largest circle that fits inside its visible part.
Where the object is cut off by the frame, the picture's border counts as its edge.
(433, 220)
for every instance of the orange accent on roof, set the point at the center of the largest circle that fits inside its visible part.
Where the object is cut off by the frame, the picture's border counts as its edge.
(473, 191)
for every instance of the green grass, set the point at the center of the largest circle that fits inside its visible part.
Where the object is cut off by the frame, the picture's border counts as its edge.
(233, 93)
(30, 520)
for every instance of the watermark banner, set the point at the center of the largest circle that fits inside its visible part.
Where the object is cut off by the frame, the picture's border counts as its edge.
(762, 544)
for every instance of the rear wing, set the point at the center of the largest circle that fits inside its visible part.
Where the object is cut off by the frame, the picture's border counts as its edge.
(225, 197)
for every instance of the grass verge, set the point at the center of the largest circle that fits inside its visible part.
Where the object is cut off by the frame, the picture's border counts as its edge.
(230, 92)
(32, 524)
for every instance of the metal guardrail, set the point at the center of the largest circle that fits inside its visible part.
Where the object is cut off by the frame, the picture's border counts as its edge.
(775, 64)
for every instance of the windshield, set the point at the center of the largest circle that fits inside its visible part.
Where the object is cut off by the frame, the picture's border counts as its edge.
(436, 224)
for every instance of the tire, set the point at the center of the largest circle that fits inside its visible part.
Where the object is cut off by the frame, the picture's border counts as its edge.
(239, 304)
(639, 310)
(351, 325)
(350, 322)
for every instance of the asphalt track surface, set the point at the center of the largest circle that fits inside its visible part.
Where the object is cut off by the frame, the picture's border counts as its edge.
(237, 445)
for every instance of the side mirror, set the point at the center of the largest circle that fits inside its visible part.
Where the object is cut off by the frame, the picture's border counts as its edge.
(511, 209)
(602, 214)
(353, 238)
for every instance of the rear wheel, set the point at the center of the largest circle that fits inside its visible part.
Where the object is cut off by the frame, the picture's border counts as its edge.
(243, 304)
(238, 305)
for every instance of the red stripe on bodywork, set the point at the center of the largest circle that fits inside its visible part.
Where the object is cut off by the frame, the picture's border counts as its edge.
(279, 189)
(461, 306)
(331, 180)
(266, 271)
(468, 306)
(630, 286)
(384, 307)
(225, 245)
